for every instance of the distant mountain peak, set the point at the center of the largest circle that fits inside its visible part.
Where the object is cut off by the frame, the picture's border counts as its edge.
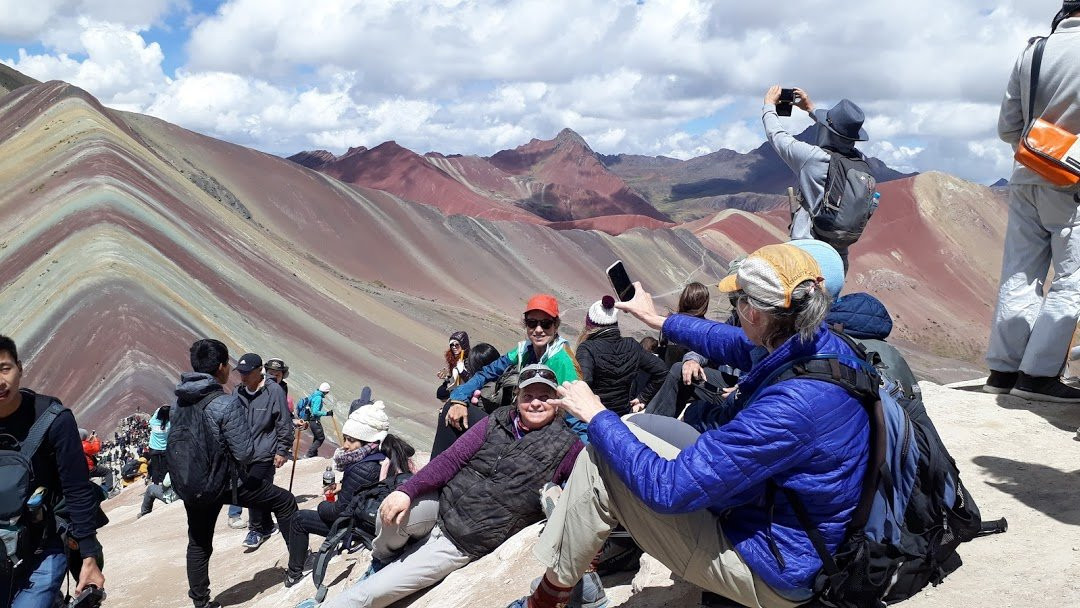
(312, 159)
(571, 137)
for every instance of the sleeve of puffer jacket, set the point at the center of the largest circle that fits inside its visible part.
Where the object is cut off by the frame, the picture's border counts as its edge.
(724, 468)
(234, 426)
(720, 343)
(657, 370)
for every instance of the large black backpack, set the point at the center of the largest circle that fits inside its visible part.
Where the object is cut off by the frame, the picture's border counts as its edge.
(847, 204)
(365, 504)
(17, 485)
(913, 512)
(199, 467)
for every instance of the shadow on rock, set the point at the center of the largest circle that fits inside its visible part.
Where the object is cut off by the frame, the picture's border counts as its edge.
(245, 591)
(1038, 486)
(1065, 416)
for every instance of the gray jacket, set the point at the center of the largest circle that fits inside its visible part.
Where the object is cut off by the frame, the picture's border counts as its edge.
(270, 421)
(227, 419)
(1056, 99)
(808, 162)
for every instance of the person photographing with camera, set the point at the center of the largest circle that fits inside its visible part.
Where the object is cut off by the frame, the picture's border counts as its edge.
(836, 193)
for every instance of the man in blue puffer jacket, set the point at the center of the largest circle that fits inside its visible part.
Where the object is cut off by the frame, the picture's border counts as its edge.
(699, 503)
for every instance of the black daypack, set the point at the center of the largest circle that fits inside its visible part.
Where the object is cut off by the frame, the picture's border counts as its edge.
(199, 467)
(501, 392)
(913, 512)
(847, 203)
(17, 485)
(365, 504)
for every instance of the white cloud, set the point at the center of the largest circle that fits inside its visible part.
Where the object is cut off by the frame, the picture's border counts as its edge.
(474, 77)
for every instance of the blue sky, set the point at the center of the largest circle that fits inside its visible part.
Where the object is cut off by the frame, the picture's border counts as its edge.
(665, 77)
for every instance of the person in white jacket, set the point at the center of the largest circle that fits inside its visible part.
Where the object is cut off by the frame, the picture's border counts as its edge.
(1031, 332)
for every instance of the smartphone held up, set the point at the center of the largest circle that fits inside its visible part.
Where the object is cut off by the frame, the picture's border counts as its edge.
(787, 100)
(620, 281)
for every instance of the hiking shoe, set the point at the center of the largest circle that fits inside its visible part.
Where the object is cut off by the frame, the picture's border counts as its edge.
(1000, 383)
(1045, 388)
(375, 566)
(588, 593)
(254, 540)
(236, 523)
(291, 580)
(549, 496)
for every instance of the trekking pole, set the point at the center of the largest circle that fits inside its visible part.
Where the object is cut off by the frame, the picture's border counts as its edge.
(337, 430)
(998, 526)
(296, 449)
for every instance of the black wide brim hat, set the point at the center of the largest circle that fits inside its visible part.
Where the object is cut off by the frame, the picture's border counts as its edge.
(845, 119)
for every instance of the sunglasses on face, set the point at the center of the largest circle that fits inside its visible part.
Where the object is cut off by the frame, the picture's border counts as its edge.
(546, 324)
(546, 374)
(455, 345)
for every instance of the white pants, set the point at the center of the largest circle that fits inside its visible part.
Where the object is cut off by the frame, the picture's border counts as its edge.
(1031, 333)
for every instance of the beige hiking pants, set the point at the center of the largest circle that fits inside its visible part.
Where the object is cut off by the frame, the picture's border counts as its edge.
(692, 545)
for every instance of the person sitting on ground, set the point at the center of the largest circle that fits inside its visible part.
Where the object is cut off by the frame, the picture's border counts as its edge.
(701, 503)
(543, 344)
(91, 446)
(369, 453)
(319, 402)
(690, 376)
(471, 498)
(480, 356)
(457, 371)
(610, 363)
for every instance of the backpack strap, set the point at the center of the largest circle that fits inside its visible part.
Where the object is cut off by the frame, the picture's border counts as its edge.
(1036, 65)
(46, 410)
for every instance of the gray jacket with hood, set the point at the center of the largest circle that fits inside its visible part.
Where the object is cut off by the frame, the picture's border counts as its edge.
(270, 421)
(227, 419)
(1056, 99)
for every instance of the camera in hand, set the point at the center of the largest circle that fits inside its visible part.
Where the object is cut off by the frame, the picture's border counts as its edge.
(91, 597)
(787, 99)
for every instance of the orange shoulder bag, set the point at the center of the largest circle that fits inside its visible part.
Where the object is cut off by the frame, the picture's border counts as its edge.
(1046, 148)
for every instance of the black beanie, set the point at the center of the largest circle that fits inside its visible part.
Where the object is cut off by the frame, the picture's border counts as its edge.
(1067, 8)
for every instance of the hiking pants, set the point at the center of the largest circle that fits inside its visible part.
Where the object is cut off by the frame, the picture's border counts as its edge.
(693, 545)
(418, 523)
(1030, 332)
(318, 435)
(154, 491)
(201, 520)
(158, 466)
(673, 394)
(37, 581)
(304, 523)
(446, 435)
(259, 519)
(423, 564)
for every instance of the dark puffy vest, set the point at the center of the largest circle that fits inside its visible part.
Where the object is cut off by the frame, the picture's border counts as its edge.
(497, 493)
(615, 365)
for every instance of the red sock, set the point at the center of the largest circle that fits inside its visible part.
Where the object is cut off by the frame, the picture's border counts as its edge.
(549, 595)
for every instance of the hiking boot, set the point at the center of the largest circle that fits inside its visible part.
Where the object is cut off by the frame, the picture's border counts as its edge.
(237, 523)
(1000, 383)
(254, 540)
(1045, 388)
(291, 580)
(588, 593)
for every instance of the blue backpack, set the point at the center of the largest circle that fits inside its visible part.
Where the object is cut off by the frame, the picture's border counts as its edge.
(913, 512)
(303, 408)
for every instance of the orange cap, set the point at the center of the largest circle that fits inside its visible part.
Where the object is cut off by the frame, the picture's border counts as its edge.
(544, 303)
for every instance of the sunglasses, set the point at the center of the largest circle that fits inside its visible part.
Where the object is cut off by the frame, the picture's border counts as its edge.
(455, 345)
(546, 374)
(546, 324)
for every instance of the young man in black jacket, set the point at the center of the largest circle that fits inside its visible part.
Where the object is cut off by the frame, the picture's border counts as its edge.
(59, 466)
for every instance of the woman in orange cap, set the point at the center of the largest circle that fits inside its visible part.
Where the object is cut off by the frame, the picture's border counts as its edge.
(543, 344)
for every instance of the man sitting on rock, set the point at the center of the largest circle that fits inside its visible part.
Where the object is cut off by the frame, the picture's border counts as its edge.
(471, 498)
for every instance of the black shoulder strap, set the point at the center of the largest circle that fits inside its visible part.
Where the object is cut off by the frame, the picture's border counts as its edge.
(46, 410)
(1036, 65)
(205, 401)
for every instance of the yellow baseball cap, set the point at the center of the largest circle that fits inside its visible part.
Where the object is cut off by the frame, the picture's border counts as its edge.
(771, 273)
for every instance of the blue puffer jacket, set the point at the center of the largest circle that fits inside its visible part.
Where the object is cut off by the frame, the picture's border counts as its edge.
(806, 435)
(863, 316)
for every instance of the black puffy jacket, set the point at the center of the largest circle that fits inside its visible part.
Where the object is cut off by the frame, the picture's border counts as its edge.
(609, 364)
(356, 475)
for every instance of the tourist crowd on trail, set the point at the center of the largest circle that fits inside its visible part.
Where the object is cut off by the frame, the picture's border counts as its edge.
(774, 455)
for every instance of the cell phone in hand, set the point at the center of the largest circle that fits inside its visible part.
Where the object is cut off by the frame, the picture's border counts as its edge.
(620, 281)
(787, 99)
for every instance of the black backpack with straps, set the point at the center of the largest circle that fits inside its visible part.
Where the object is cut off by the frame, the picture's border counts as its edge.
(199, 467)
(17, 486)
(913, 512)
(847, 203)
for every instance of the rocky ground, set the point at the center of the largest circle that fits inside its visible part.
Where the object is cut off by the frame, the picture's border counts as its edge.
(1019, 459)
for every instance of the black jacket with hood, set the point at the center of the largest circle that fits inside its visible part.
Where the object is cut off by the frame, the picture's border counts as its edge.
(270, 420)
(228, 420)
(609, 365)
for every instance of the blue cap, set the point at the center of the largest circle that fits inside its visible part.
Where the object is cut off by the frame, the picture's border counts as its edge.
(832, 267)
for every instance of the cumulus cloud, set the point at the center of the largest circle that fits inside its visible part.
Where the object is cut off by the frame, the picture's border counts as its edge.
(674, 77)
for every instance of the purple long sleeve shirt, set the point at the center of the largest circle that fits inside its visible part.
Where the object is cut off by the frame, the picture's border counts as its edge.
(443, 467)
